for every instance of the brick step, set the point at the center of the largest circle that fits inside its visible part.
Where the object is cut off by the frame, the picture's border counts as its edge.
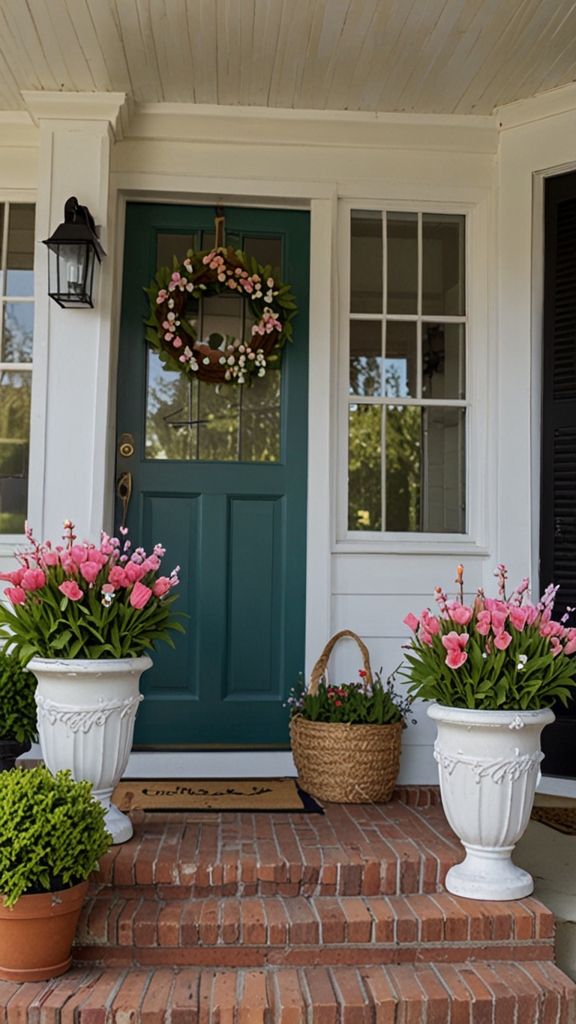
(255, 932)
(527, 993)
(351, 850)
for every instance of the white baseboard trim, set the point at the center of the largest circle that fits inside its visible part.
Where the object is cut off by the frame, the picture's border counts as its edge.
(556, 787)
(210, 764)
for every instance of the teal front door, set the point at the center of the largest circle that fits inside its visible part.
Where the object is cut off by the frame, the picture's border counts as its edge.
(219, 478)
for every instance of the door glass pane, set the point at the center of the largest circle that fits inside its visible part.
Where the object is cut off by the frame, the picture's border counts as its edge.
(402, 262)
(171, 413)
(443, 265)
(366, 262)
(18, 332)
(170, 244)
(443, 361)
(401, 359)
(403, 460)
(266, 251)
(14, 434)
(20, 264)
(260, 419)
(364, 467)
(365, 357)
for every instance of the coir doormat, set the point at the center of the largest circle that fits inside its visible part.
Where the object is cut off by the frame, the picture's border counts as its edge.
(213, 795)
(563, 819)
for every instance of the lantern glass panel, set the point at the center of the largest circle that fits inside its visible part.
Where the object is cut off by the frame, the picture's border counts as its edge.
(71, 270)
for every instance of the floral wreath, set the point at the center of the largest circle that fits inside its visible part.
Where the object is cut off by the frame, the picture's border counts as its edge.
(173, 335)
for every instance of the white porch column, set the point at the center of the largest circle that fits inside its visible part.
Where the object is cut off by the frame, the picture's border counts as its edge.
(72, 348)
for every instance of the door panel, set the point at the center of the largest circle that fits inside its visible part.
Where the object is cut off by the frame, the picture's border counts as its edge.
(219, 478)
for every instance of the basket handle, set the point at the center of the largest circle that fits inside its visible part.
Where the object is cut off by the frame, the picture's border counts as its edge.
(320, 666)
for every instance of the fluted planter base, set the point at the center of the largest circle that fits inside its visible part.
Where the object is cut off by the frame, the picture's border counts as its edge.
(488, 765)
(86, 715)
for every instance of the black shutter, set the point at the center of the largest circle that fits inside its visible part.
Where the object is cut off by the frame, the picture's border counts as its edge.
(558, 469)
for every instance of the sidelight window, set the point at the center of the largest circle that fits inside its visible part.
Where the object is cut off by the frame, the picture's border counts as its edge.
(407, 373)
(16, 339)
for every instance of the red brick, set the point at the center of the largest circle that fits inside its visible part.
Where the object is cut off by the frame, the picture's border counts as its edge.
(125, 925)
(383, 998)
(324, 1007)
(147, 854)
(189, 924)
(303, 922)
(526, 991)
(431, 924)
(459, 994)
(384, 919)
(230, 911)
(278, 923)
(456, 919)
(184, 1002)
(188, 854)
(358, 920)
(482, 1002)
(57, 995)
(543, 918)
(70, 1009)
(94, 1009)
(504, 997)
(145, 924)
(410, 995)
(124, 1009)
(332, 919)
(154, 1008)
(224, 998)
(523, 920)
(97, 923)
(406, 926)
(354, 1005)
(168, 925)
(253, 922)
(209, 922)
(253, 999)
(286, 998)
(436, 996)
(21, 1000)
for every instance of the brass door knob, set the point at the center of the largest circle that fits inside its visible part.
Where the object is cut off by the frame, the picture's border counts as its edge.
(126, 445)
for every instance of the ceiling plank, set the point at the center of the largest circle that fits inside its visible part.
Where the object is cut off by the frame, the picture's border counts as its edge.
(106, 22)
(61, 46)
(135, 26)
(23, 50)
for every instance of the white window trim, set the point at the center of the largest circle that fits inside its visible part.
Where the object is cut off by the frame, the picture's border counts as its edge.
(479, 473)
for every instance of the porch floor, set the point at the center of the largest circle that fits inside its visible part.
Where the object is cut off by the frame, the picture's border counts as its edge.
(206, 918)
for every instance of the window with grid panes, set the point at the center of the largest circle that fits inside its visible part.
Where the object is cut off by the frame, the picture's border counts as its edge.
(407, 384)
(16, 338)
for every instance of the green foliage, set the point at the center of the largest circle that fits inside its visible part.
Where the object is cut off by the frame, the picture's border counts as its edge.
(356, 703)
(52, 832)
(500, 682)
(17, 704)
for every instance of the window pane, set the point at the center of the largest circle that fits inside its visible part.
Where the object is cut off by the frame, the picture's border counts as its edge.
(172, 244)
(1, 245)
(260, 419)
(266, 251)
(401, 360)
(443, 265)
(20, 265)
(443, 361)
(18, 332)
(171, 412)
(365, 357)
(219, 421)
(222, 314)
(403, 459)
(402, 262)
(14, 434)
(444, 477)
(366, 262)
(364, 467)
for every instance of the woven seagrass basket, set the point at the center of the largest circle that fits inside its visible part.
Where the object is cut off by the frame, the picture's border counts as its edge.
(346, 764)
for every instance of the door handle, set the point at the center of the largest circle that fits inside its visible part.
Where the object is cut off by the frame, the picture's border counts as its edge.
(124, 492)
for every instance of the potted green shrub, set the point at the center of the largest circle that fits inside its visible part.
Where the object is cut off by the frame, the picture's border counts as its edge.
(346, 739)
(493, 670)
(82, 617)
(53, 834)
(17, 709)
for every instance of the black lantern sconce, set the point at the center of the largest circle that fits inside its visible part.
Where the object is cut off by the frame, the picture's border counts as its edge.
(73, 249)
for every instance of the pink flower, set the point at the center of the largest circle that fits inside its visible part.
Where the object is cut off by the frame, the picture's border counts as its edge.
(134, 572)
(483, 623)
(71, 589)
(425, 637)
(94, 555)
(51, 558)
(15, 594)
(78, 554)
(569, 648)
(429, 622)
(33, 579)
(13, 577)
(460, 613)
(518, 617)
(502, 640)
(107, 588)
(89, 571)
(151, 563)
(411, 621)
(140, 595)
(455, 644)
(118, 577)
(498, 620)
(161, 586)
(556, 646)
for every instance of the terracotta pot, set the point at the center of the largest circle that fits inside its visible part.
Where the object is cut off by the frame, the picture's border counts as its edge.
(37, 933)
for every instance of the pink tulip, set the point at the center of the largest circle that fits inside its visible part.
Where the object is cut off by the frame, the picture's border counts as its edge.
(518, 618)
(161, 586)
(455, 644)
(89, 571)
(78, 554)
(411, 621)
(15, 594)
(107, 588)
(71, 589)
(118, 577)
(570, 647)
(13, 577)
(460, 613)
(498, 620)
(429, 623)
(425, 637)
(556, 646)
(97, 556)
(502, 640)
(140, 596)
(483, 623)
(151, 563)
(134, 572)
(33, 579)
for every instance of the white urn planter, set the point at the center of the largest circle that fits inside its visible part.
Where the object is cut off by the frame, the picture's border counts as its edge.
(489, 764)
(86, 714)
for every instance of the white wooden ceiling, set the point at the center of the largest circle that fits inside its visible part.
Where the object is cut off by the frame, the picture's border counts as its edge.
(424, 56)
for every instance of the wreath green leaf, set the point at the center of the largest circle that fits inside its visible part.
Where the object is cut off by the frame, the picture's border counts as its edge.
(171, 325)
